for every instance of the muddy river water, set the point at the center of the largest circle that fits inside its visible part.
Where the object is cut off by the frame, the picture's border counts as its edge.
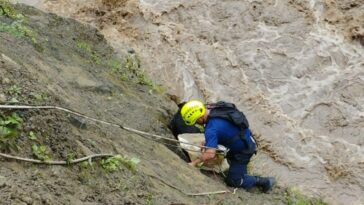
(296, 68)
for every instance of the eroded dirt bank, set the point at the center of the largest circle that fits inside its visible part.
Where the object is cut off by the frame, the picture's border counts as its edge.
(46, 59)
(295, 67)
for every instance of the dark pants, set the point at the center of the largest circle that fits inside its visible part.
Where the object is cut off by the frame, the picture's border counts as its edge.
(238, 172)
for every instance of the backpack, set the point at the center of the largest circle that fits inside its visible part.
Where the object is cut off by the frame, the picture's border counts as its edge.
(228, 111)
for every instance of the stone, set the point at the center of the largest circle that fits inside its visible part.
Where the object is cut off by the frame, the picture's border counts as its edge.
(6, 81)
(26, 199)
(2, 182)
(2, 98)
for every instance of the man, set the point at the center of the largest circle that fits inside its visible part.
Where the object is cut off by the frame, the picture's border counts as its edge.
(226, 125)
(178, 126)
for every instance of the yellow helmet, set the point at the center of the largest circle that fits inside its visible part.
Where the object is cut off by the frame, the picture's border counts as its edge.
(192, 111)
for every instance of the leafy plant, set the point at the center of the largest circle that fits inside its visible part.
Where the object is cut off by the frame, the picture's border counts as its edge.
(41, 152)
(32, 136)
(95, 58)
(132, 64)
(40, 97)
(9, 128)
(84, 46)
(86, 165)
(14, 90)
(114, 163)
(87, 49)
(115, 65)
(70, 156)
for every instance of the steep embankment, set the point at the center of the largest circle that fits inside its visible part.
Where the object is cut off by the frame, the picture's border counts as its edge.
(294, 67)
(46, 59)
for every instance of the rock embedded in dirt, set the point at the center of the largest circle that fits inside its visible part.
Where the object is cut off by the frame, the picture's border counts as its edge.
(2, 98)
(6, 81)
(2, 181)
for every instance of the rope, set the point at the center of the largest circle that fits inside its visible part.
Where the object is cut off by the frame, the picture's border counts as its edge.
(75, 161)
(90, 157)
(141, 133)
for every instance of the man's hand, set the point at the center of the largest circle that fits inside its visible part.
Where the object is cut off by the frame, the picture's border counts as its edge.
(206, 156)
(195, 162)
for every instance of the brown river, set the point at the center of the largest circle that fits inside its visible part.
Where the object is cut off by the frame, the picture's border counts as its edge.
(295, 67)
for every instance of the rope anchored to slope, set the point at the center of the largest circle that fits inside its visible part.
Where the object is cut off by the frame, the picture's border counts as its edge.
(141, 133)
(90, 157)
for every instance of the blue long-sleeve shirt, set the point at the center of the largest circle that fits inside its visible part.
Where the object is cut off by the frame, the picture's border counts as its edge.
(221, 131)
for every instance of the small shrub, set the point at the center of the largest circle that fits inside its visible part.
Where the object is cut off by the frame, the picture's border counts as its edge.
(132, 64)
(87, 49)
(114, 163)
(40, 98)
(32, 136)
(70, 156)
(87, 165)
(9, 128)
(84, 46)
(40, 152)
(14, 90)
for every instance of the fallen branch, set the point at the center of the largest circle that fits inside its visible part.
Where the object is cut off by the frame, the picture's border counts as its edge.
(49, 162)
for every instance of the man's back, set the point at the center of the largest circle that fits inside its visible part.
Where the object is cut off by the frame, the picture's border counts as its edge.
(221, 131)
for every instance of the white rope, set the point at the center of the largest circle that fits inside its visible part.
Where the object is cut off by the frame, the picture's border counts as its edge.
(50, 162)
(100, 121)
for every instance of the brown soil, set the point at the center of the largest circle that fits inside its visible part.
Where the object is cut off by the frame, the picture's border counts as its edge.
(68, 66)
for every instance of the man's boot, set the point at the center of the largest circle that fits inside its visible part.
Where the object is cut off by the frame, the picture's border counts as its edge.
(266, 183)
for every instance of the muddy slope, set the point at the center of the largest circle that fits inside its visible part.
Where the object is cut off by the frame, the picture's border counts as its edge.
(62, 62)
(294, 67)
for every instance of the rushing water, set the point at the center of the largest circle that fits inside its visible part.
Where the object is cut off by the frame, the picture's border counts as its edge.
(299, 78)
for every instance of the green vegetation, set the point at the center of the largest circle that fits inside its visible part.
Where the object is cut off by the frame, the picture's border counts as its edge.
(15, 23)
(132, 64)
(39, 98)
(70, 156)
(114, 163)
(8, 10)
(150, 199)
(295, 197)
(131, 69)
(9, 128)
(14, 90)
(41, 152)
(82, 45)
(32, 136)
(87, 49)
(87, 165)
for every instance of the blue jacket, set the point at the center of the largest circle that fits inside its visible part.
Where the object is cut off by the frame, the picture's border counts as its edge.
(224, 132)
